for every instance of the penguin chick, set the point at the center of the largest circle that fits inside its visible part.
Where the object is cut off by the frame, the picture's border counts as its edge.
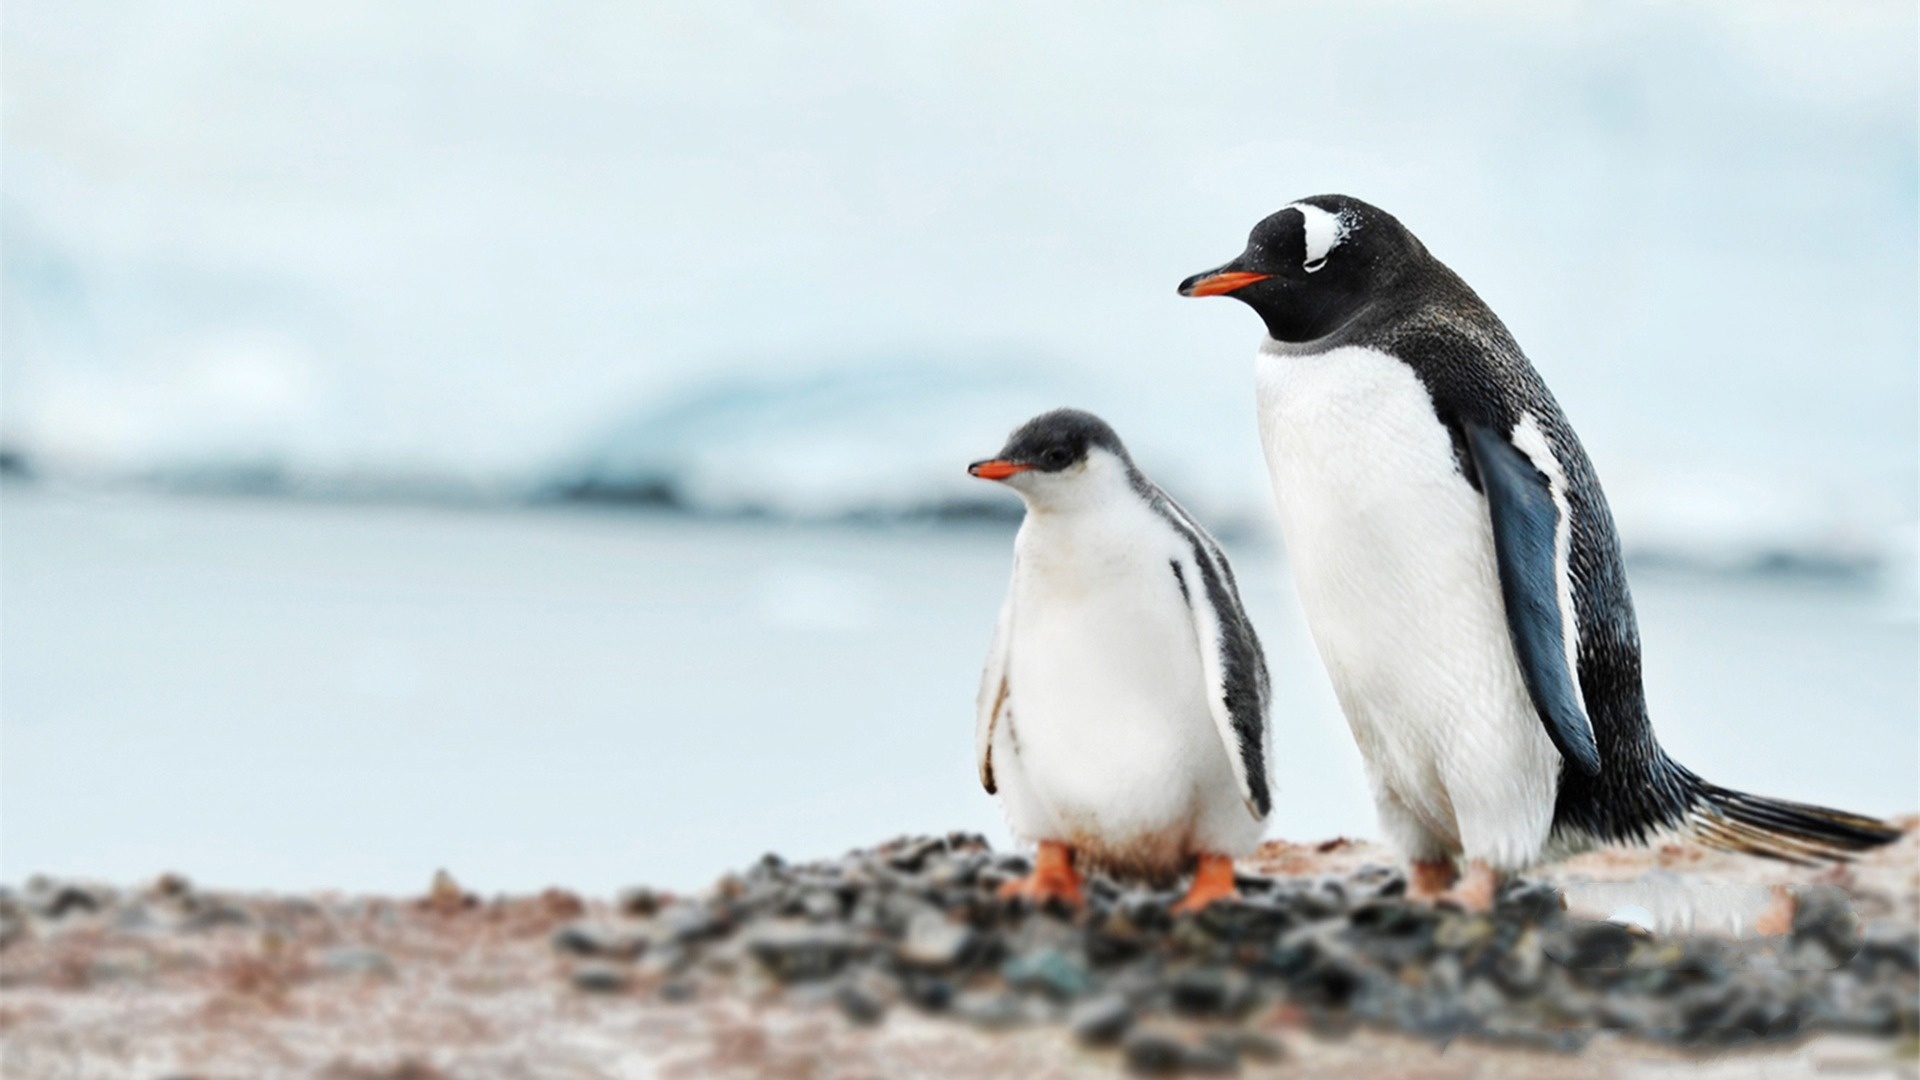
(1122, 716)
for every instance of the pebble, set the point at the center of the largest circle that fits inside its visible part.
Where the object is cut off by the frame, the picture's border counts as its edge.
(1049, 971)
(638, 903)
(688, 922)
(356, 960)
(1149, 1053)
(1235, 921)
(931, 994)
(57, 901)
(662, 960)
(171, 886)
(587, 939)
(1597, 945)
(1895, 946)
(1254, 1046)
(600, 978)
(800, 951)
(1212, 1056)
(214, 916)
(1206, 991)
(934, 941)
(1100, 1021)
(989, 1011)
(821, 905)
(911, 855)
(858, 1005)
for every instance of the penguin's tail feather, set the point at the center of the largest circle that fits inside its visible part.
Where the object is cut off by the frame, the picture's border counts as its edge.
(1777, 829)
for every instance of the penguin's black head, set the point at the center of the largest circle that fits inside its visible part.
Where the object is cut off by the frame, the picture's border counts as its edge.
(1056, 442)
(1313, 266)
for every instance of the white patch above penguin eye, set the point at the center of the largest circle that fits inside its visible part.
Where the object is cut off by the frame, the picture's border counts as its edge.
(1324, 231)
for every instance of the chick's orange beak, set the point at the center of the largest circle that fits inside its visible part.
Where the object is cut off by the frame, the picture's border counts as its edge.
(1220, 283)
(996, 470)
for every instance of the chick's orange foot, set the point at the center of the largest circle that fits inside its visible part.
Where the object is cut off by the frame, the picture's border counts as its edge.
(1212, 880)
(1053, 878)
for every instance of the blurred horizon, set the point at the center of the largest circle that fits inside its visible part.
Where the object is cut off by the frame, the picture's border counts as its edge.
(487, 250)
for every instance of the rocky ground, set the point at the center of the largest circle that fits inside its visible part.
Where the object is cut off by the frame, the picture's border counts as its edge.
(900, 961)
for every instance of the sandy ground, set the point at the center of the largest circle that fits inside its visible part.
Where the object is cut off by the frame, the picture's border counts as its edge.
(170, 982)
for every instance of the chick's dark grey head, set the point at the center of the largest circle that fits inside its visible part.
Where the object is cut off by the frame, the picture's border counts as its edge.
(1052, 442)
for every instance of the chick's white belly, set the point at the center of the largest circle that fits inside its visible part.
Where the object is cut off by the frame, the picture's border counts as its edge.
(1392, 554)
(1110, 746)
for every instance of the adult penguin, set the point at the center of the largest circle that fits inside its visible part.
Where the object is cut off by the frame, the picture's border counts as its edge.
(1459, 569)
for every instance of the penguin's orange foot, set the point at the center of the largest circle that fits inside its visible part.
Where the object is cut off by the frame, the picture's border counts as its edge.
(1212, 880)
(1429, 879)
(1777, 919)
(1053, 878)
(1477, 888)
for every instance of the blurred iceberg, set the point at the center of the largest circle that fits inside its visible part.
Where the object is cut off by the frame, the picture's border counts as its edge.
(884, 441)
(874, 442)
(1731, 523)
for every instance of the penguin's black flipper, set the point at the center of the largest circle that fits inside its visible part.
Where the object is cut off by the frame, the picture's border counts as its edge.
(1526, 521)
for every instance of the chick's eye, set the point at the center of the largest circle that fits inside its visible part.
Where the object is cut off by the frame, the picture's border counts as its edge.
(1055, 458)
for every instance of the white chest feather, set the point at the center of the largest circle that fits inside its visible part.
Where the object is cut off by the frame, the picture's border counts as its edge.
(1102, 634)
(1392, 551)
(1110, 744)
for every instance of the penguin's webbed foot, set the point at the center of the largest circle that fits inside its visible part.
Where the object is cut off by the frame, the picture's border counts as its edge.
(1212, 880)
(1476, 890)
(1777, 918)
(1053, 878)
(1429, 879)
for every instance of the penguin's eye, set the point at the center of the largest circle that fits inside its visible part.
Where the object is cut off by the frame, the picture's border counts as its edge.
(1314, 265)
(1056, 458)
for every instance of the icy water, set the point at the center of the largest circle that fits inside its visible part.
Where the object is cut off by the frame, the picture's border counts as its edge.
(288, 695)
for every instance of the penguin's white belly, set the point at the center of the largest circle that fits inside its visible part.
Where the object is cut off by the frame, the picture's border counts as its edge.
(1109, 745)
(1392, 553)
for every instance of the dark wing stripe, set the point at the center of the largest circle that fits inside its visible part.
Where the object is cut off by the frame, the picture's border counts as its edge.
(1245, 674)
(987, 779)
(1525, 522)
(1242, 664)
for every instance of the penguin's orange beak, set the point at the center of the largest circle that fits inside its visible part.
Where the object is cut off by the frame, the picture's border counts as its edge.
(996, 470)
(1220, 282)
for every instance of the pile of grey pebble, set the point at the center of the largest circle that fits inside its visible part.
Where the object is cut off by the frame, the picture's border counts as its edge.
(918, 923)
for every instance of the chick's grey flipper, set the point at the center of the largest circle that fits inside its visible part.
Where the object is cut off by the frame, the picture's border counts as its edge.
(994, 697)
(1236, 669)
(1528, 543)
